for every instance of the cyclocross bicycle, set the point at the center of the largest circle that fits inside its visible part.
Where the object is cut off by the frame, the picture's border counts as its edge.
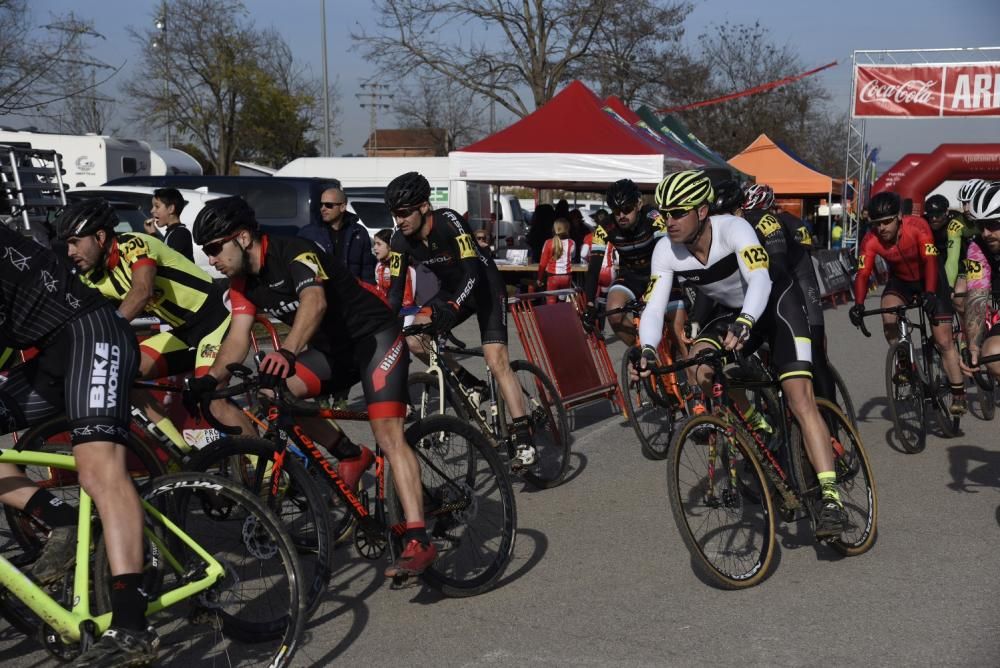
(439, 388)
(218, 566)
(726, 479)
(915, 386)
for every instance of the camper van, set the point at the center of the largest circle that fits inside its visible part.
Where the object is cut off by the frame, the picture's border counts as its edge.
(88, 160)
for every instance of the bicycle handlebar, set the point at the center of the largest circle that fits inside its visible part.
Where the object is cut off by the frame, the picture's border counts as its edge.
(894, 310)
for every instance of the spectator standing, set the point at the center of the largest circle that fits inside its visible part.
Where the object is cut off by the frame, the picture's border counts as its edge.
(383, 273)
(555, 265)
(341, 234)
(541, 229)
(166, 209)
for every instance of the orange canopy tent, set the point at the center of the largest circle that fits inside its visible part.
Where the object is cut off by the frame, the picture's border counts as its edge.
(771, 164)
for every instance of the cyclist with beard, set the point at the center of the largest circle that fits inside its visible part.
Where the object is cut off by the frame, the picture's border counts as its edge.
(907, 245)
(441, 240)
(982, 269)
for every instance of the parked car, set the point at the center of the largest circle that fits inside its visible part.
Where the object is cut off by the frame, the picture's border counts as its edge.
(134, 205)
(283, 204)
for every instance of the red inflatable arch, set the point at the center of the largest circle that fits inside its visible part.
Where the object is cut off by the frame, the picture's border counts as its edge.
(948, 162)
(894, 174)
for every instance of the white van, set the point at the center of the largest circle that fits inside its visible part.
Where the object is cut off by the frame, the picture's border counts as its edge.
(89, 160)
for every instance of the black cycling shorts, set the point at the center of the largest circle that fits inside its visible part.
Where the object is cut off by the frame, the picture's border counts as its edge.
(85, 372)
(783, 325)
(489, 303)
(380, 361)
(908, 291)
(805, 276)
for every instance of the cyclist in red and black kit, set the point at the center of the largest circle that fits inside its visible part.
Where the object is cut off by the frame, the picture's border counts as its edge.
(87, 358)
(907, 245)
(341, 332)
(982, 268)
(636, 230)
(440, 239)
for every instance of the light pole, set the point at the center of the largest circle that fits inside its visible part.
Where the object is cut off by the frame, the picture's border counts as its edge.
(160, 42)
(326, 86)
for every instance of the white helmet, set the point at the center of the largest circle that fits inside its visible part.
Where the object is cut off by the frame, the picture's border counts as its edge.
(985, 204)
(969, 189)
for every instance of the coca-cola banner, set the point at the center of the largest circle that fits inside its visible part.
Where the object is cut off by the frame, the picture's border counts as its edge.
(926, 91)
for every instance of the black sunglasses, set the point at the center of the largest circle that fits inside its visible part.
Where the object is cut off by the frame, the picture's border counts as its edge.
(884, 221)
(623, 211)
(330, 205)
(404, 213)
(215, 247)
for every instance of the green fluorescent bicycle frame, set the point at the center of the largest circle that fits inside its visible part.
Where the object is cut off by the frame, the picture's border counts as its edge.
(65, 622)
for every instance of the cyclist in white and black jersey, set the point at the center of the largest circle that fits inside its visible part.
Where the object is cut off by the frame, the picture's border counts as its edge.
(721, 258)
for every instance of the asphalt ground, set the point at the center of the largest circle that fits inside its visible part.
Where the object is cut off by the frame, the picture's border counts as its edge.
(600, 576)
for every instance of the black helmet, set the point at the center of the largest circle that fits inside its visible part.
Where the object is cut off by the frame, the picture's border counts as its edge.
(407, 190)
(221, 217)
(85, 218)
(728, 197)
(623, 194)
(936, 206)
(884, 205)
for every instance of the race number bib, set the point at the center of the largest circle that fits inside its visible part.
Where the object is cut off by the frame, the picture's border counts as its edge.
(311, 260)
(973, 269)
(466, 246)
(648, 294)
(768, 225)
(395, 264)
(930, 249)
(755, 257)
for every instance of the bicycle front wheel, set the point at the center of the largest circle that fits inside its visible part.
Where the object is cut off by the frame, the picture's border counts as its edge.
(468, 506)
(843, 395)
(653, 424)
(904, 392)
(721, 503)
(855, 481)
(550, 425)
(257, 601)
(300, 503)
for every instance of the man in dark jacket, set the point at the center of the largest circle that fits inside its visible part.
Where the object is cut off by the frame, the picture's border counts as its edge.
(341, 235)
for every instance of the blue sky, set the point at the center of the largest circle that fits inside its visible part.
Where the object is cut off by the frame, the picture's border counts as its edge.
(819, 31)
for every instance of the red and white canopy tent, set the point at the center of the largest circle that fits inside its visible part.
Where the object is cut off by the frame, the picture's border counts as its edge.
(572, 143)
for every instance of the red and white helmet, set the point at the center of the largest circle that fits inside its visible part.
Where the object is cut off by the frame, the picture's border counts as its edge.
(758, 196)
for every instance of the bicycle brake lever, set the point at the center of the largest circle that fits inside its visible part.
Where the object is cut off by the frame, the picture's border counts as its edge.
(239, 370)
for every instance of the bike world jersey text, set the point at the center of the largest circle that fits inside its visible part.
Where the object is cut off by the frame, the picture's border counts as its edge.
(104, 376)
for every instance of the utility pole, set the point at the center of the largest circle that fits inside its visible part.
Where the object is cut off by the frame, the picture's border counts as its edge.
(372, 99)
(160, 42)
(326, 87)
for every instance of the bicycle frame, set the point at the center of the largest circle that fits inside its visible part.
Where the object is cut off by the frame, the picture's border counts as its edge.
(70, 624)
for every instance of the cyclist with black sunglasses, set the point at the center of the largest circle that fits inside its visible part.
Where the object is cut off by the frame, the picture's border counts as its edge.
(634, 230)
(982, 268)
(906, 243)
(441, 240)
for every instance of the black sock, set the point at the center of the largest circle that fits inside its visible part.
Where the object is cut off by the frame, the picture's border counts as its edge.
(344, 448)
(419, 534)
(957, 389)
(50, 509)
(128, 602)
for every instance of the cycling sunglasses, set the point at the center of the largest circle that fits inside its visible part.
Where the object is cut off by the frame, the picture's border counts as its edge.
(215, 247)
(623, 211)
(884, 221)
(404, 213)
(992, 225)
(330, 205)
(677, 214)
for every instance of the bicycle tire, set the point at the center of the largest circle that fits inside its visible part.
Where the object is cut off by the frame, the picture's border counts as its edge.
(986, 399)
(303, 506)
(906, 401)
(843, 395)
(549, 422)
(46, 437)
(947, 424)
(462, 480)
(653, 426)
(855, 480)
(238, 529)
(729, 557)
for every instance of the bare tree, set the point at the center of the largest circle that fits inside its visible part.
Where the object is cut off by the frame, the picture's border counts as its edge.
(735, 58)
(637, 42)
(453, 113)
(37, 63)
(495, 48)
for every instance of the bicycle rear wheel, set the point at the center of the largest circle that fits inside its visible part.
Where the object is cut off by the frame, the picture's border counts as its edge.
(986, 395)
(904, 391)
(855, 481)
(468, 506)
(653, 425)
(843, 395)
(549, 424)
(721, 503)
(301, 504)
(257, 602)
